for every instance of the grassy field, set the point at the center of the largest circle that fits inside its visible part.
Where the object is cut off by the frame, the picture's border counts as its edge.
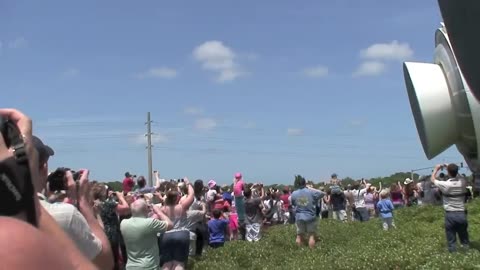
(417, 243)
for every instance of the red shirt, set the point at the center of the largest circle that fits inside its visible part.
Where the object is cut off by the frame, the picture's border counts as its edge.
(286, 202)
(128, 184)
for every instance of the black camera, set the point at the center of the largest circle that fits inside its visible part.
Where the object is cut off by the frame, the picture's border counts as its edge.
(16, 185)
(57, 180)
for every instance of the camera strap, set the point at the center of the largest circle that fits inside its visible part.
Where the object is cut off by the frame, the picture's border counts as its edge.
(16, 190)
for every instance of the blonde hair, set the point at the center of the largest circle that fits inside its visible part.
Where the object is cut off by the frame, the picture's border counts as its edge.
(384, 193)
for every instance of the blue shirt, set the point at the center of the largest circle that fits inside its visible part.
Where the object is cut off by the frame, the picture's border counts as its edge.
(385, 207)
(227, 196)
(304, 201)
(146, 190)
(216, 228)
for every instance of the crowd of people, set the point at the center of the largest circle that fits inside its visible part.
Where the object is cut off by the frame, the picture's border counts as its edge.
(162, 226)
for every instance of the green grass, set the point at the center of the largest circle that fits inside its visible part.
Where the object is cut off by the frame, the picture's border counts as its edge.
(417, 243)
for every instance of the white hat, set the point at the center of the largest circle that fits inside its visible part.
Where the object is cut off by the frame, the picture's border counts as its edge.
(408, 181)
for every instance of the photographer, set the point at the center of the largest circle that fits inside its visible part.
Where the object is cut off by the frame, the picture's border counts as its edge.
(109, 205)
(80, 224)
(45, 240)
(128, 183)
(453, 195)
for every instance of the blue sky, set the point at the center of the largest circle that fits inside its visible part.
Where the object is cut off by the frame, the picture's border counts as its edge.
(268, 88)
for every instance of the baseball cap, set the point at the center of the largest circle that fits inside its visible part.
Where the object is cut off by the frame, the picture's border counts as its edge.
(44, 151)
(238, 175)
(127, 174)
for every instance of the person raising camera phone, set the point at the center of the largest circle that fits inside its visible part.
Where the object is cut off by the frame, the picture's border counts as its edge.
(453, 196)
(78, 220)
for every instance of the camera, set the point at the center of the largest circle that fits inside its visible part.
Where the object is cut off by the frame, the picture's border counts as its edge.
(57, 180)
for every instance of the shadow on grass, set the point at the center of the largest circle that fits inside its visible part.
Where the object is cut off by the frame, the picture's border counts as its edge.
(475, 245)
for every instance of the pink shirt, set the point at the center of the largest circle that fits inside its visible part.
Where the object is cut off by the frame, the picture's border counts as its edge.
(238, 188)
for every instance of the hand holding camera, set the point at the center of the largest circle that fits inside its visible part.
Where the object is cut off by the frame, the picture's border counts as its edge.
(18, 167)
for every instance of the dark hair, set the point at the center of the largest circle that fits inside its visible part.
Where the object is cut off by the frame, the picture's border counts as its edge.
(163, 186)
(247, 193)
(172, 197)
(57, 181)
(216, 213)
(356, 185)
(302, 182)
(198, 188)
(452, 170)
(141, 182)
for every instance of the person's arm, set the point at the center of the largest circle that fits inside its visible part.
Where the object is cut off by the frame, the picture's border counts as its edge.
(433, 178)
(262, 192)
(158, 181)
(122, 207)
(390, 205)
(162, 216)
(190, 197)
(104, 259)
(25, 247)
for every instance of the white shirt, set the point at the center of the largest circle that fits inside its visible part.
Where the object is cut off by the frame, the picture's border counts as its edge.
(76, 226)
(358, 196)
(211, 195)
(453, 193)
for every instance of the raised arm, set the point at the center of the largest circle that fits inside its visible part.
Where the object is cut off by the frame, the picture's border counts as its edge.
(434, 173)
(122, 207)
(187, 202)
(163, 217)
(104, 260)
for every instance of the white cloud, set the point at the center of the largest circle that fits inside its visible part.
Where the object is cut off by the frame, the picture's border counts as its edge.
(158, 72)
(294, 132)
(388, 51)
(316, 72)
(217, 57)
(156, 139)
(71, 72)
(18, 43)
(205, 124)
(370, 68)
(193, 111)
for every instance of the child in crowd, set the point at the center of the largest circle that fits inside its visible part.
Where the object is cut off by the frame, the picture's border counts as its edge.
(233, 217)
(217, 227)
(385, 208)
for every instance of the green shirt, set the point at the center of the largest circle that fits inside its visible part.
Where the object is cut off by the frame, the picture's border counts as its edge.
(140, 236)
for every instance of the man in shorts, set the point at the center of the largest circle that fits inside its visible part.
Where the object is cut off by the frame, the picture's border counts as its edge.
(304, 199)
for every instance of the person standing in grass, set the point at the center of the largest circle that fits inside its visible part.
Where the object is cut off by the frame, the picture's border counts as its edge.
(304, 200)
(453, 195)
(253, 215)
(239, 200)
(385, 208)
(217, 227)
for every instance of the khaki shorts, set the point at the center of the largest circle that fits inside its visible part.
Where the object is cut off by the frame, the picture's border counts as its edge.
(306, 227)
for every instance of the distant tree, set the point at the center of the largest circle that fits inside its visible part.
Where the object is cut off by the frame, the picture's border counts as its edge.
(298, 180)
(347, 181)
(115, 185)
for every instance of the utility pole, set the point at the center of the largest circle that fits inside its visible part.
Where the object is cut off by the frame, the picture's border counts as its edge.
(149, 149)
